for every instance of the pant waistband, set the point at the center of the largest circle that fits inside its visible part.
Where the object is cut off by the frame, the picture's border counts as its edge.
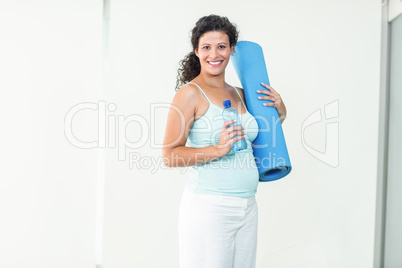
(225, 200)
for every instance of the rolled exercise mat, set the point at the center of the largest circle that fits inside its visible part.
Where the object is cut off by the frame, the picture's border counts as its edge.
(270, 151)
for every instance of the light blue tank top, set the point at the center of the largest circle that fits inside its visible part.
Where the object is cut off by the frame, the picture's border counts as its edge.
(234, 174)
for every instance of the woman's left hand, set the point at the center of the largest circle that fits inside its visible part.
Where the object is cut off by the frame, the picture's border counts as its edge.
(274, 96)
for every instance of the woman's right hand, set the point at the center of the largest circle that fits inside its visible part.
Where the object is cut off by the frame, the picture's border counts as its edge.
(226, 139)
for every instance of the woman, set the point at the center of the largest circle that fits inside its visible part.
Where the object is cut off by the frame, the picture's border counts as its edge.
(218, 213)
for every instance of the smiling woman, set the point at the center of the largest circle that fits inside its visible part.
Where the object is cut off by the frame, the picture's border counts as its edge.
(214, 52)
(190, 65)
(218, 214)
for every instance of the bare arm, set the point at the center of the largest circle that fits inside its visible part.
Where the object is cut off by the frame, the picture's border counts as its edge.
(179, 123)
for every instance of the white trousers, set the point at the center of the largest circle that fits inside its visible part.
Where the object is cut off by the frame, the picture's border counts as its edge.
(217, 231)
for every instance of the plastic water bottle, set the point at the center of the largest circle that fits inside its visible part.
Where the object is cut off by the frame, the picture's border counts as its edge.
(230, 113)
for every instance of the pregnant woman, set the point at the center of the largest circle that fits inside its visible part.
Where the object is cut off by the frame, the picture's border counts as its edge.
(218, 214)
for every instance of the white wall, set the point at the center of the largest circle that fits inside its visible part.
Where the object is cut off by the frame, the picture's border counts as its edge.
(50, 55)
(394, 9)
(318, 53)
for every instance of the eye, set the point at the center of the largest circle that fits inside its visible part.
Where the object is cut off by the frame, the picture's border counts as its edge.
(222, 47)
(205, 47)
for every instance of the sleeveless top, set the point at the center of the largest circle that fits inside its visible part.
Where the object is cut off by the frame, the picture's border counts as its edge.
(234, 174)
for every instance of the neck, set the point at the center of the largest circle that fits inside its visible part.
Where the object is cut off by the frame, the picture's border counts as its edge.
(217, 81)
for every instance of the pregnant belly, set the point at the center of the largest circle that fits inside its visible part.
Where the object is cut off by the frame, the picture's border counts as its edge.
(234, 174)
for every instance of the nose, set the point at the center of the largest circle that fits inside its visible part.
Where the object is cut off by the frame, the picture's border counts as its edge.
(214, 53)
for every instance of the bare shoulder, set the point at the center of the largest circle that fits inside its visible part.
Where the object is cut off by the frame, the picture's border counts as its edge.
(188, 90)
(186, 95)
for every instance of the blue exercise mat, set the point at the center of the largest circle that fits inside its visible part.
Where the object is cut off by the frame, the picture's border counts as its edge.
(270, 151)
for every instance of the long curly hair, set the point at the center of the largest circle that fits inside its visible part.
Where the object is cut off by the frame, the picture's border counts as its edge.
(190, 67)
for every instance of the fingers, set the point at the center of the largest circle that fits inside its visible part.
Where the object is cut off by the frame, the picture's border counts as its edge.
(228, 123)
(234, 137)
(269, 87)
(266, 92)
(269, 104)
(270, 91)
(230, 135)
(237, 133)
(228, 129)
(238, 138)
(233, 131)
(233, 128)
(272, 95)
(266, 98)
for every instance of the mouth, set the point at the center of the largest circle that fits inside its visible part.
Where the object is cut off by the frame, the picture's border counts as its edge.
(215, 63)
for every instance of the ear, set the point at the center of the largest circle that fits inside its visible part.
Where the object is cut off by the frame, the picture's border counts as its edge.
(196, 52)
(231, 49)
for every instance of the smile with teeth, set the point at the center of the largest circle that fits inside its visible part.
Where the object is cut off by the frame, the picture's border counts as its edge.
(215, 63)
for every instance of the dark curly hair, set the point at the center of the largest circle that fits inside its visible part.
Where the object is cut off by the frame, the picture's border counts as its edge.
(190, 66)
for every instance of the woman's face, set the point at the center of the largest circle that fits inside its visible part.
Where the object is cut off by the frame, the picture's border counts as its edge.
(214, 52)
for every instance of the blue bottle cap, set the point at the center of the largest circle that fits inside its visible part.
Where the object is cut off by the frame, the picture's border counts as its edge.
(227, 104)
